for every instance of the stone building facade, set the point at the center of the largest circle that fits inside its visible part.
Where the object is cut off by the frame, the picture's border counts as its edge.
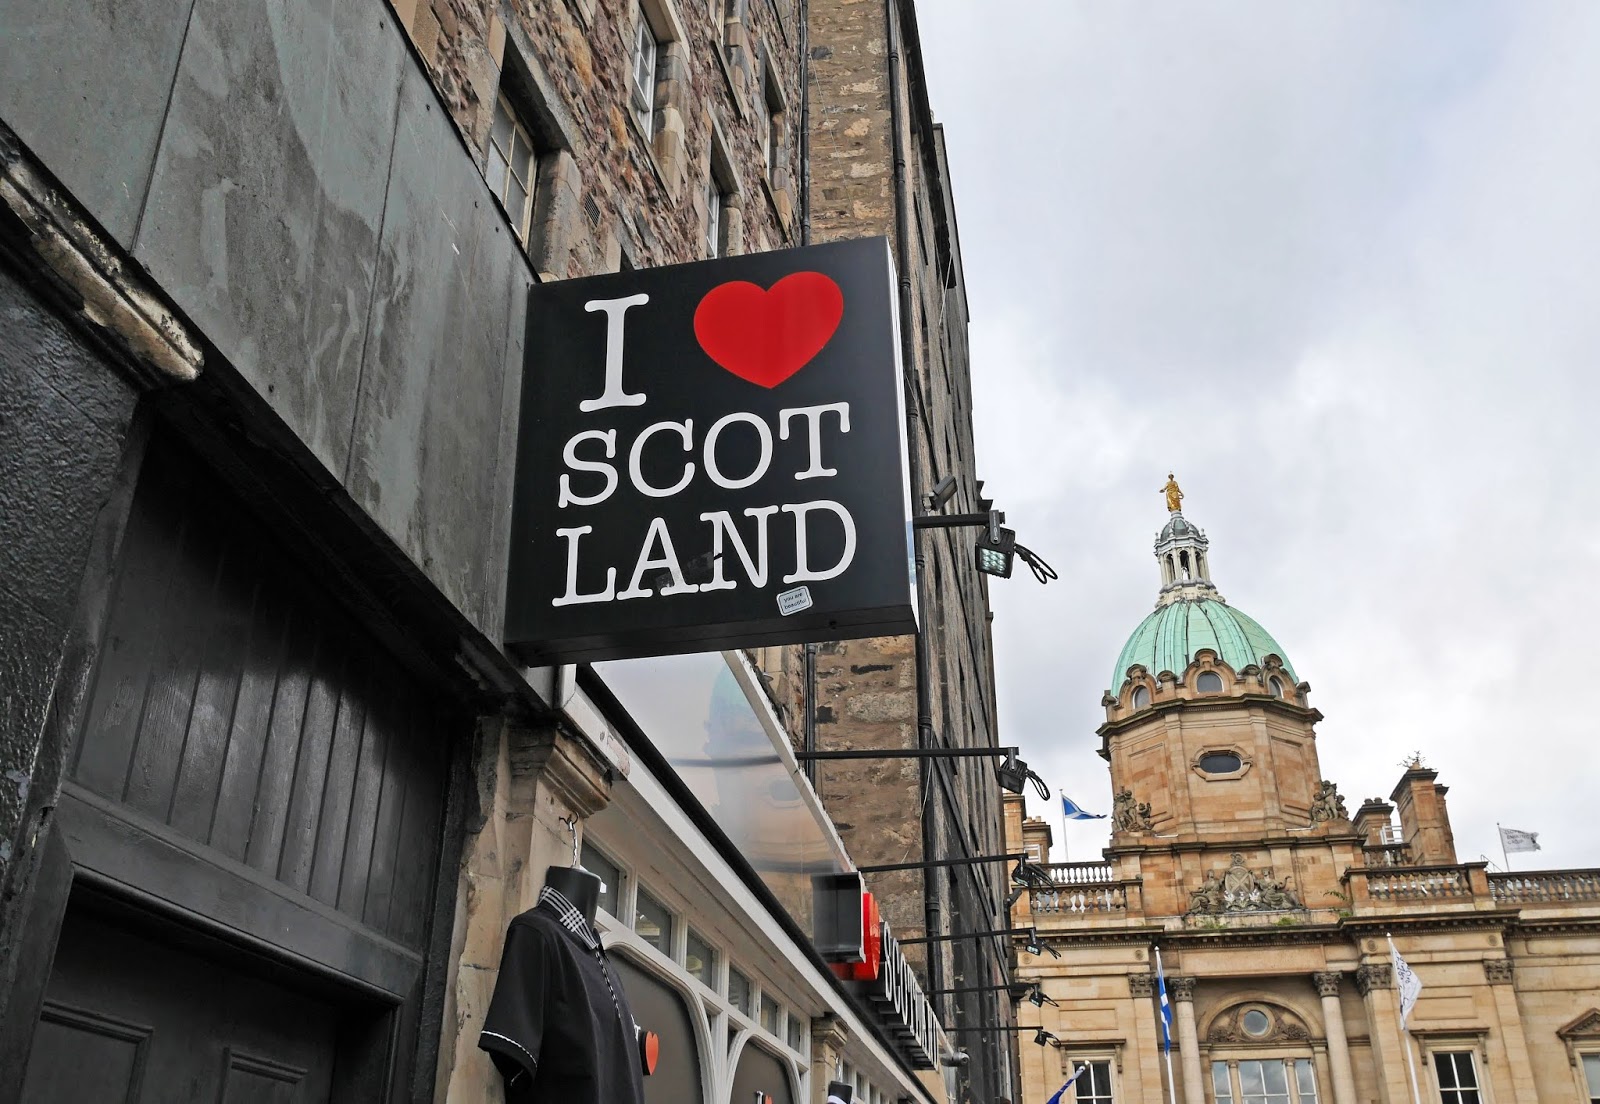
(1272, 904)
(878, 166)
(263, 271)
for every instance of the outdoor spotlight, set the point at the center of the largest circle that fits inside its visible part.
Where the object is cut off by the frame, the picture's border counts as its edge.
(1016, 894)
(955, 1058)
(1036, 997)
(943, 491)
(1044, 1038)
(1033, 946)
(996, 551)
(1012, 772)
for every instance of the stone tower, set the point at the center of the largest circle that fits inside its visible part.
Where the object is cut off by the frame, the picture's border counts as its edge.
(1207, 728)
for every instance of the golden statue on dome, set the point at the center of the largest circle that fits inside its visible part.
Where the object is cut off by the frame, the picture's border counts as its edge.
(1174, 496)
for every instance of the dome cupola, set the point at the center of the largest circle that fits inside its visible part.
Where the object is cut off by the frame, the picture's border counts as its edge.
(1190, 614)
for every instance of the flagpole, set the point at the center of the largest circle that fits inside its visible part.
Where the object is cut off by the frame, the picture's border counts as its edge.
(1172, 1090)
(1504, 854)
(1405, 1036)
(1066, 856)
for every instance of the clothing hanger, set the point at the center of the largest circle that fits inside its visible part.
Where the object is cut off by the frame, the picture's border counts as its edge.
(574, 882)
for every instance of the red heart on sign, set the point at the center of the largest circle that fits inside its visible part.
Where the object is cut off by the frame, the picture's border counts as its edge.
(767, 336)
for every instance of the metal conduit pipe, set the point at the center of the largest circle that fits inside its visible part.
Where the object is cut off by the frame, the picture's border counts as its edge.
(933, 917)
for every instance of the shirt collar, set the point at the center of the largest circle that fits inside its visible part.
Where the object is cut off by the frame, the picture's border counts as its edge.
(569, 916)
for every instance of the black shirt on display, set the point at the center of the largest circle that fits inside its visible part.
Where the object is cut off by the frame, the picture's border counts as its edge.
(559, 1028)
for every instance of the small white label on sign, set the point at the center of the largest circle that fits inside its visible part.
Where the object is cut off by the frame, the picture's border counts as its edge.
(793, 601)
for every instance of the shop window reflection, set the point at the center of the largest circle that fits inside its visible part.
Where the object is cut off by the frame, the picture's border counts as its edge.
(739, 991)
(653, 922)
(610, 875)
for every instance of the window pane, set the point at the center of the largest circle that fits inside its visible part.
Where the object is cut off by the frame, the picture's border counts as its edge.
(522, 159)
(1591, 1071)
(739, 991)
(699, 959)
(1220, 1084)
(1305, 1081)
(769, 1013)
(1093, 1085)
(653, 923)
(501, 130)
(1251, 1082)
(495, 173)
(796, 1036)
(607, 871)
(516, 204)
(1277, 1081)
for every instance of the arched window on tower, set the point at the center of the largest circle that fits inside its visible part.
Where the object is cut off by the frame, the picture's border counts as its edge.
(1275, 684)
(1183, 563)
(1141, 697)
(1209, 682)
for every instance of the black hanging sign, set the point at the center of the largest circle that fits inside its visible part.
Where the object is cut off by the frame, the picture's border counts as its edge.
(712, 455)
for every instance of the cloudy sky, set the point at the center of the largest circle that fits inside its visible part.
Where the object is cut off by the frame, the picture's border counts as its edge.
(1336, 265)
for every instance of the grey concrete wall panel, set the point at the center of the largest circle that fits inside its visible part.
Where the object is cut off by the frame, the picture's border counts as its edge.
(265, 207)
(64, 420)
(429, 428)
(85, 83)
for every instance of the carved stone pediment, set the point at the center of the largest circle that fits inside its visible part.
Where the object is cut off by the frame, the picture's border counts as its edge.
(1255, 1022)
(1240, 889)
(1586, 1026)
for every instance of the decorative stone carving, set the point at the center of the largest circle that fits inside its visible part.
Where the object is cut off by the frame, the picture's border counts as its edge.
(1126, 816)
(1498, 971)
(1376, 976)
(1327, 982)
(1328, 804)
(1238, 889)
(1141, 985)
(1182, 989)
(1283, 1026)
(1587, 1024)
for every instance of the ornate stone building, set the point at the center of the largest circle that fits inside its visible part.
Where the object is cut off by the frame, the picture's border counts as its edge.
(1272, 903)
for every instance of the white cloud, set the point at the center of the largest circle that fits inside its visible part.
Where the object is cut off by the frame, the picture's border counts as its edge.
(1335, 264)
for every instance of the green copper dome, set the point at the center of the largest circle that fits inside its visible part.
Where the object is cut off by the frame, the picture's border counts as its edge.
(1168, 639)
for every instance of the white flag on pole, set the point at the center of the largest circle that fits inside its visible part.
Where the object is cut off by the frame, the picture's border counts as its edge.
(1405, 980)
(1515, 839)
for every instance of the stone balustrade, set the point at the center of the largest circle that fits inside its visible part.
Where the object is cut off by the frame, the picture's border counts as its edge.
(1081, 899)
(1088, 873)
(1539, 886)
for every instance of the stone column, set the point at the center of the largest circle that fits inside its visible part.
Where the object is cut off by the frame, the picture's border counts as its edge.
(1375, 983)
(828, 1038)
(1182, 989)
(1518, 1066)
(1344, 1080)
(529, 781)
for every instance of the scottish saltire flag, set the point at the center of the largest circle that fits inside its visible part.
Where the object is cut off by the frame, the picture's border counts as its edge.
(1166, 1007)
(1515, 839)
(1072, 811)
(1056, 1099)
(1406, 981)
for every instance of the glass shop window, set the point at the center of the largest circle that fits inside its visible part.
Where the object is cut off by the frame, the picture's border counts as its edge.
(700, 959)
(653, 921)
(609, 873)
(739, 991)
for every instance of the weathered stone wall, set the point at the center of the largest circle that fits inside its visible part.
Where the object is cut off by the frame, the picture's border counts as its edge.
(639, 200)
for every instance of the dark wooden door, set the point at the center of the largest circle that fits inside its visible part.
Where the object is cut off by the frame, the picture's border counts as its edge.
(130, 1017)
